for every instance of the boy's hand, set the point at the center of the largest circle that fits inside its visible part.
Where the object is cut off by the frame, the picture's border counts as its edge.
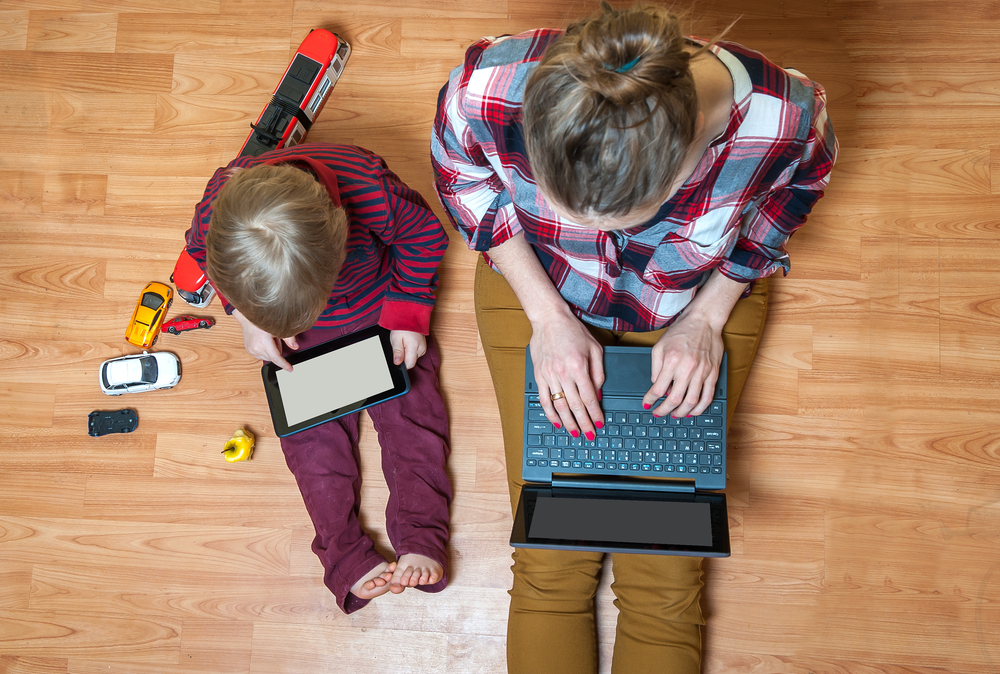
(263, 345)
(407, 347)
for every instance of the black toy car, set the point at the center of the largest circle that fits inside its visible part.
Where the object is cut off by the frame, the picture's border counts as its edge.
(120, 421)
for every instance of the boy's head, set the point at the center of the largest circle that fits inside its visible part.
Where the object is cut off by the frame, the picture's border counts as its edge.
(275, 246)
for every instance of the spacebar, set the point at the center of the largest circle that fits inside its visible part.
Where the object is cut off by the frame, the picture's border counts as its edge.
(612, 404)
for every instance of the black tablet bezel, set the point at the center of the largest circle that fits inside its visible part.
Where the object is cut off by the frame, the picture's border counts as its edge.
(269, 373)
(719, 519)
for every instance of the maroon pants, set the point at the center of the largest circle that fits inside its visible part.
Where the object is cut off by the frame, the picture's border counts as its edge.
(413, 433)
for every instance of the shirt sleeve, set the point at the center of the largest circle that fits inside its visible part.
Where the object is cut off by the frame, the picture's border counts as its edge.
(418, 242)
(472, 193)
(772, 219)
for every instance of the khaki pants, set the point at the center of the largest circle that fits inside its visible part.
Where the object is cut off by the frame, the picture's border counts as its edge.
(551, 626)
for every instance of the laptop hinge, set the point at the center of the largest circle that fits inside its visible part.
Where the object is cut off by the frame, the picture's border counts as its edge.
(619, 483)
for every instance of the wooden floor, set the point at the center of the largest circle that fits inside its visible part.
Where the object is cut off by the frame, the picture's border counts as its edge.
(864, 485)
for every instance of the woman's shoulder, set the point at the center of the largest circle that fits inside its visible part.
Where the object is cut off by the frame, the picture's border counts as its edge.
(759, 76)
(501, 65)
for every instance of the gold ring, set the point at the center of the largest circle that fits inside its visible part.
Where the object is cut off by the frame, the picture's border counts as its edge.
(557, 396)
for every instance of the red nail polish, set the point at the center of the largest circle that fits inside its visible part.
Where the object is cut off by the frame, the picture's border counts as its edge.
(645, 406)
(558, 426)
(599, 424)
(575, 433)
(598, 395)
(590, 435)
(689, 416)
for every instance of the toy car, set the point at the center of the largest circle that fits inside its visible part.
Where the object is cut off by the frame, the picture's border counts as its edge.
(184, 323)
(300, 95)
(152, 306)
(104, 423)
(139, 372)
(192, 284)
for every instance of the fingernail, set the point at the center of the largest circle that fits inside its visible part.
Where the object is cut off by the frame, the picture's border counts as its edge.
(598, 395)
(688, 416)
(575, 433)
(645, 406)
(590, 435)
(599, 424)
(557, 425)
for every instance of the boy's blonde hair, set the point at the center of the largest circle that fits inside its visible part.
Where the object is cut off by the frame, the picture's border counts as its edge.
(610, 111)
(275, 245)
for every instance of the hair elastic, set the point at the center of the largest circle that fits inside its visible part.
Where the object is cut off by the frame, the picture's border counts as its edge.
(628, 66)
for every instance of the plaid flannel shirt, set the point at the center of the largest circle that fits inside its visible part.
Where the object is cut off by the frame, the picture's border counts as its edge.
(753, 188)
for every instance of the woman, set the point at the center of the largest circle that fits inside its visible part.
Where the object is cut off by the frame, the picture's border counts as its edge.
(633, 187)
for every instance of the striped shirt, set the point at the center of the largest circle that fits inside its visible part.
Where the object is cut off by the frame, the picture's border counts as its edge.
(752, 189)
(394, 241)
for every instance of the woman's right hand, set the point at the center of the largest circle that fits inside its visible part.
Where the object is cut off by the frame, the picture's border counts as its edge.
(263, 345)
(568, 360)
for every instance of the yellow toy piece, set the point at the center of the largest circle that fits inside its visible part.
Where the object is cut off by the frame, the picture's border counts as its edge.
(240, 447)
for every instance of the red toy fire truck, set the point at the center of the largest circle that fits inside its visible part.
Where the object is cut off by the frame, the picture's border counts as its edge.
(300, 95)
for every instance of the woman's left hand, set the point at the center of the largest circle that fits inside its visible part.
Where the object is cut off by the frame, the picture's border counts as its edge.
(407, 347)
(685, 367)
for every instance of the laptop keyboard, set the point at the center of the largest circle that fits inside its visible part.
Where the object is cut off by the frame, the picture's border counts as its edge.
(630, 443)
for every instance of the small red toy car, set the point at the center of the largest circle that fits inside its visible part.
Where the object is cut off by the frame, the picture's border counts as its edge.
(184, 323)
(192, 284)
(300, 95)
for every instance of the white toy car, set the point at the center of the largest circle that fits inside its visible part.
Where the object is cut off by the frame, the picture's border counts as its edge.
(145, 372)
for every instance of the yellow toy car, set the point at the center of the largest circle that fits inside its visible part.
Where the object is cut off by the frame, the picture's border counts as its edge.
(148, 316)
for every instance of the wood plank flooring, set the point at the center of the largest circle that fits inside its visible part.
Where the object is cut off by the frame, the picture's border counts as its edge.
(864, 485)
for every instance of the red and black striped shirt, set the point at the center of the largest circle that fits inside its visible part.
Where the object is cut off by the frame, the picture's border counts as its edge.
(394, 241)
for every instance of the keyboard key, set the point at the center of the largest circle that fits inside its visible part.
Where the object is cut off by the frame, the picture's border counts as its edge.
(647, 419)
(543, 463)
(628, 431)
(660, 421)
(714, 446)
(640, 431)
(562, 440)
(609, 417)
(568, 453)
(649, 457)
(633, 419)
(537, 415)
(538, 452)
(609, 455)
(621, 418)
(647, 467)
(688, 421)
(682, 469)
(564, 464)
(691, 459)
(676, 457)
(582, 454)
(622, 456)
(667, 432)
(657, 468)
(672, 421)
(578, 464)
(705, 460)
(712, 434)
(599, 465)
(635, 456)
(531, 462)
(555, 453)
(704, 469)
(656, 445)
(684, 445)
(716, 459)
(534, 440)
(622, 466)
(654, 431)
(694, 433)
(634, 466)
(717, 471)
(669, 469)
(614, 430)
(617, 443)
(588, 464)
(706, 420)
(715, 408)
(663, 457)
(642, 443)
(533, 399)
(629, 443)
(680, 432)
(539, 427)
(698, 446)
(670, 445)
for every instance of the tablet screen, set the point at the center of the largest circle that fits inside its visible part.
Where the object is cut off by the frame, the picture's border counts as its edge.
(334, 380)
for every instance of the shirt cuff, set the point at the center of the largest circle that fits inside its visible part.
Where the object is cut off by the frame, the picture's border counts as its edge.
(411, 316)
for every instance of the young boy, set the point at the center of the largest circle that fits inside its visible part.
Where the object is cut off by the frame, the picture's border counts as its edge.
(307, 244)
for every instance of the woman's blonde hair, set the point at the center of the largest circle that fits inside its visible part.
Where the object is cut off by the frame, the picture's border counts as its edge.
(275, 246)
(610, 111)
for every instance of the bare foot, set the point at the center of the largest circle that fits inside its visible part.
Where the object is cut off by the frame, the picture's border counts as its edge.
(412, 570)
(374, 583)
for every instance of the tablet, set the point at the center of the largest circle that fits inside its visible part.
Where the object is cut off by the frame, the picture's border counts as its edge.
(333, 379)
(621, 520)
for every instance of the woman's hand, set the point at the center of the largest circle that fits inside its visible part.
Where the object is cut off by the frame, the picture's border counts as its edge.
(685, 367)
(686, 358)
(263, 345)
(568, 360)
(407, 347)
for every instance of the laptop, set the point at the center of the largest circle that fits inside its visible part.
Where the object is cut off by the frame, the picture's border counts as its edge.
(645, 484)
